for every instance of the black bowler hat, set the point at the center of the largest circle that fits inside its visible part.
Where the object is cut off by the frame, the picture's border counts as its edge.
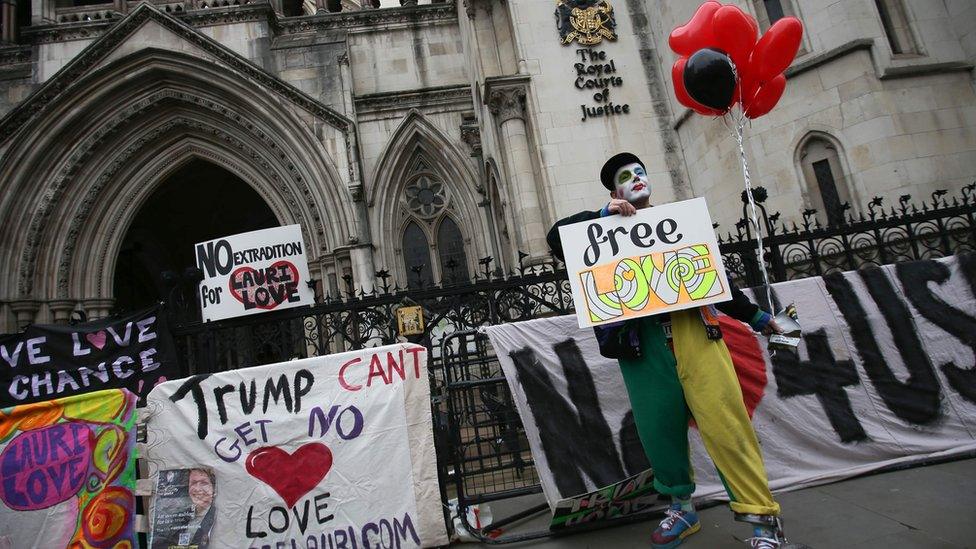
(611, 166)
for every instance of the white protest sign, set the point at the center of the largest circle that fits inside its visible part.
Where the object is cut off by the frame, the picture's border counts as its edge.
(253, 272)
(665, 258)
(334, 451)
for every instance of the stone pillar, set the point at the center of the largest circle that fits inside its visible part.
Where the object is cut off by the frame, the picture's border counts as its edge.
(507, 103)
(98, 307)
(361, 245)
(43, 12)
(362, 267)
(61, 310)
(24, 310)
(8, 12)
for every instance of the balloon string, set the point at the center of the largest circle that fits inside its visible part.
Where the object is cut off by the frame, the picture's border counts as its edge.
(740, 122)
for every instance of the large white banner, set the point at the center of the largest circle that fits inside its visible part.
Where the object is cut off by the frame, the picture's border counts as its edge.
(253, 272)
(663, 259)
(335, 451)
(885, 374)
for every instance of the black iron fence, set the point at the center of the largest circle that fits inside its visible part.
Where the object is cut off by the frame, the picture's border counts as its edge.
(482, 451)
(908, 231)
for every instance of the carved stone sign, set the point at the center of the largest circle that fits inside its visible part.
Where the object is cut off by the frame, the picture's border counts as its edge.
(586, 21)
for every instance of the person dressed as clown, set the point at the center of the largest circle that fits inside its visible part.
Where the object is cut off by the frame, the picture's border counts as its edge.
(676, 368)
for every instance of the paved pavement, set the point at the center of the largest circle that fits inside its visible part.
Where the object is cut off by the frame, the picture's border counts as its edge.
(925, 507)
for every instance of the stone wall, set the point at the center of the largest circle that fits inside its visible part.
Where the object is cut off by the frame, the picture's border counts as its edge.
(570, 150)
(906, 124)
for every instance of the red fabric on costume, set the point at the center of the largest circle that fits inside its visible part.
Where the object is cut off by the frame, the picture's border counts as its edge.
(747, 357)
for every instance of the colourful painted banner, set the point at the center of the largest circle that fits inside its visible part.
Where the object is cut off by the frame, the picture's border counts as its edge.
(67, 472)
(327, 452)
(663, 259)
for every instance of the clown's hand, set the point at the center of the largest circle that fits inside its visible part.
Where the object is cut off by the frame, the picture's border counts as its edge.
(772, 328)
(621, 207)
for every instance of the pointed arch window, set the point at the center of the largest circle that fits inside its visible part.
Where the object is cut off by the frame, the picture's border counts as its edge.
(416, 256)
(826, 182)
(450, 248)
(432, 237)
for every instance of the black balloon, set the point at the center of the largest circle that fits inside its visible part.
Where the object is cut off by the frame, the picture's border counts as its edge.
(710, 79)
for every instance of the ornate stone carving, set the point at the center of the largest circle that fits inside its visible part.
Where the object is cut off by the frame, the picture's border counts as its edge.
(507, 103)
(61, 309)
(65, 80)
(235, 119)
(98, 307)
(24, 310)
(425, 196)
(425, 14)
(471, 133)
(449, 95)
(15, 55)
(357, 192)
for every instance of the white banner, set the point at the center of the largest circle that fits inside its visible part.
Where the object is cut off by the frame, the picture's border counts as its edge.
(885, 374)
(663, 259)
(253, 272)
(323, 452)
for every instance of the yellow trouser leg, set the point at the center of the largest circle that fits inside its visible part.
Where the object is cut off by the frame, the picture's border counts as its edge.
(715, 400)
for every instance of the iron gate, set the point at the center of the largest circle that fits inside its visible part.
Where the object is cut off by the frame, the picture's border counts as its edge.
(482, 451)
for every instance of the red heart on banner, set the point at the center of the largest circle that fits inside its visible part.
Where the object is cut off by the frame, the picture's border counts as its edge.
(264, 288)
(97, 339)
(291, 475)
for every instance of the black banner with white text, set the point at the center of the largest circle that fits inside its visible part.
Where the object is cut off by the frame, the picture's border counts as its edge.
(45, 362)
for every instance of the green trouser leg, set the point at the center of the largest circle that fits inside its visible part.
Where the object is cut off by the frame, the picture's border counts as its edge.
(660, 412)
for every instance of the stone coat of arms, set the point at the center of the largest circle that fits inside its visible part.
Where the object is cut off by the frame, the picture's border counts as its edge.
(586, 21)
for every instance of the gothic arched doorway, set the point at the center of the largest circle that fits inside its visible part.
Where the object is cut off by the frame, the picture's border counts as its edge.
(198, 202)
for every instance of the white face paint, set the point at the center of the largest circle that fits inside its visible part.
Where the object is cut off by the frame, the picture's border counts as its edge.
(631, 183)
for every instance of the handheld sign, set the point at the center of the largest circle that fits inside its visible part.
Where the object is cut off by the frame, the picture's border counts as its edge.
(253, 272)
(665, 258)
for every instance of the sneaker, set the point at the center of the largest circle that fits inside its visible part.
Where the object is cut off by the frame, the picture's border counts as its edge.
(676, 526)
(763, 543)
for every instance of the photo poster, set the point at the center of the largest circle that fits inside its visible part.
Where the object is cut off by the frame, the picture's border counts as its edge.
(47, 361)
(253, 272)
(68, 472)
(183, 510)
(325, 452)
(664, 258)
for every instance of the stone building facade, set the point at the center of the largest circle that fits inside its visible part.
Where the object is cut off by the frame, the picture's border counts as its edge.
(421, 139)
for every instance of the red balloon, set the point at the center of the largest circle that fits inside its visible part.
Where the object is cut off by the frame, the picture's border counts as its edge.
(734, 33)
(696, 33)
(776, 49)
(754, 24)
(747, 85)
(678, 78)
(767, 97)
